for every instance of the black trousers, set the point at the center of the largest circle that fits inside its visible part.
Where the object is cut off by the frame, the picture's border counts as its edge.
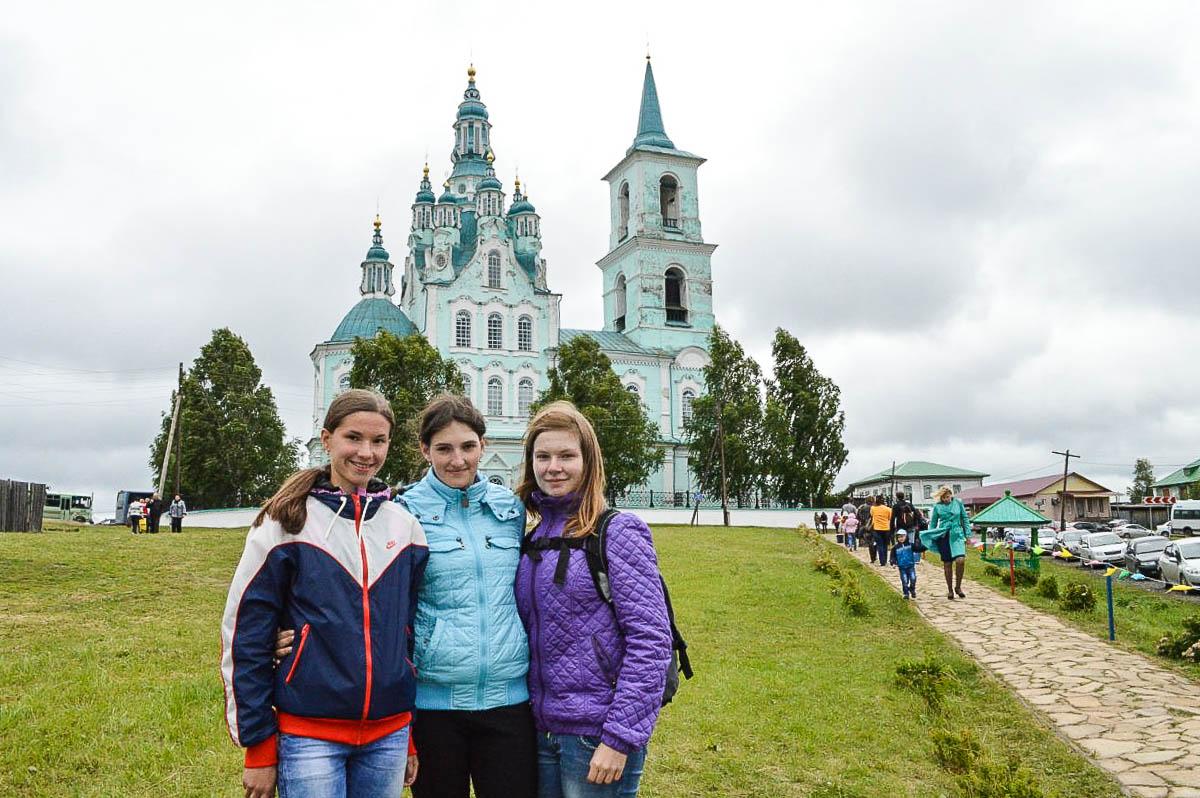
(176, 524)
(493, 749)
(883, 540)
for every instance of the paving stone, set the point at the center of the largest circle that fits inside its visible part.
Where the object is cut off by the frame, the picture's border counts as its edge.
(1141, 778)
(1153, 757)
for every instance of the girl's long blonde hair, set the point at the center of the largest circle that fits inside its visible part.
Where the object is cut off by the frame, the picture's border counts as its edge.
(563, 416)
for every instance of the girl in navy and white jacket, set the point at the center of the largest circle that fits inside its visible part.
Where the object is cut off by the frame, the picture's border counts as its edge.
(330, 556)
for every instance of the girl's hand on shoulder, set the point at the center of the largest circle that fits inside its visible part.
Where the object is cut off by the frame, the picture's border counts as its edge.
(607, 765)
(259, 782)
(410, 770)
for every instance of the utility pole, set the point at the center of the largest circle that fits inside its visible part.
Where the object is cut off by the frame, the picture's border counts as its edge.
(724, 484)
(892, 495)
(179, 433)
(162, 473)
(1062, 494)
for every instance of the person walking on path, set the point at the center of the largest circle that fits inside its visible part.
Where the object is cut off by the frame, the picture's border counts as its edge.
(947, 535)
(905, 559)
(597, 671)
(864, 525)
(849, 530)
(823, 520)
(881, 529)
(177, 511)
(329, 555)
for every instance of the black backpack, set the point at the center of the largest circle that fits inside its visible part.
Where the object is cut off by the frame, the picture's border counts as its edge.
(595, 549)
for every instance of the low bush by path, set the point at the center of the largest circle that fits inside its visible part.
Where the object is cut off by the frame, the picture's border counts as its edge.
(109, 683)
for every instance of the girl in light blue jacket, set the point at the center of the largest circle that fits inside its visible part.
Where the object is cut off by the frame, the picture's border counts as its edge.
(473, 722)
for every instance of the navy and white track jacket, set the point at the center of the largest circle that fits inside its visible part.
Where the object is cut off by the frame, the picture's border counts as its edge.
(347, 584)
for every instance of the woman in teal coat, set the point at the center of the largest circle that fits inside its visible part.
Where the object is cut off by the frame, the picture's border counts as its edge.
(947, 535)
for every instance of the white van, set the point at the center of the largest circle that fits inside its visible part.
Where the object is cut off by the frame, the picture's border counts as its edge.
(1185, 517)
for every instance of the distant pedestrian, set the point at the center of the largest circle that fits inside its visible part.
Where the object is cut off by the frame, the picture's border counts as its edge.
(137, 508)
(817, 521)
(837, 525)
(849, 530)
(177, 511)
(947, 535)
(863, 512)
(823, 520)
(904, 558)
(154, 512)
(881, 529)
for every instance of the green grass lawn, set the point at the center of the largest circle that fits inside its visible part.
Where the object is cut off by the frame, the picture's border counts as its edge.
(109, 683)
(1141, 616)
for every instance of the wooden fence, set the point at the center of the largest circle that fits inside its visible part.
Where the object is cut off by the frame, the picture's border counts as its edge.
(21, 506)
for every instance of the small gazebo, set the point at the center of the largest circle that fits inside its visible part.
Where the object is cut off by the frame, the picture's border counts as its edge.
(1008, 512)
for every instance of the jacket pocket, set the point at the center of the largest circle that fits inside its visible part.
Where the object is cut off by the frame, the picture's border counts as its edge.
(603, 661)
(299, 652)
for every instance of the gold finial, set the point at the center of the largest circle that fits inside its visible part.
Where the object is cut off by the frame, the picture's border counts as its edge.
(427, 170)
(517, 181)
(378, 223)
(471, 73)
(490, 156)
(446, 185)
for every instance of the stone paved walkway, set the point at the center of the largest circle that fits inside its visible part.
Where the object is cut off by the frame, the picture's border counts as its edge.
(1135, 719)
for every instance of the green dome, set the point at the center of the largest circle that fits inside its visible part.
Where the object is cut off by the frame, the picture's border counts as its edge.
(378, 253)
(521, 206)
(424, 197)
(447, 198)
(472, 109)
(490, 183)
(370, 316)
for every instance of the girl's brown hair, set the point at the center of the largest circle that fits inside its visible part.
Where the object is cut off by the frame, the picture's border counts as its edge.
(443, 410)
(562, 416)
(287, 506)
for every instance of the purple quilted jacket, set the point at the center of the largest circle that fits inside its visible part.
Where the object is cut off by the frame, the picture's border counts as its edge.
(594, 670)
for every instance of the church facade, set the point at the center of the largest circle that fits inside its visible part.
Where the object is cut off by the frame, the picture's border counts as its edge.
(475, 285)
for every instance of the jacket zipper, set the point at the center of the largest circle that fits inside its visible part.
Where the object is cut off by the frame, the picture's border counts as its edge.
(299, 650)
(366, 601)
(536, 628)
(480, 601)
(601, 660)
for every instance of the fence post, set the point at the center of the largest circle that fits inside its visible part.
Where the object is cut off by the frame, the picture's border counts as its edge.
(1112, 628)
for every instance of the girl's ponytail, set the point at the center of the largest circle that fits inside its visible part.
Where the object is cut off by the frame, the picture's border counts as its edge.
(287, 506)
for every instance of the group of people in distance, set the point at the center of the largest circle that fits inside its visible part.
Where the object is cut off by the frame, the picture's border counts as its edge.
(902, 532)
(372, 641)
(150, 510)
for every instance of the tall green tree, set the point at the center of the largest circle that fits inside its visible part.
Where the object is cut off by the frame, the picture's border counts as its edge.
(734, 394)
(409, 372)
(628, 439)
(1143, 480)
(804, 425)
(235, 450)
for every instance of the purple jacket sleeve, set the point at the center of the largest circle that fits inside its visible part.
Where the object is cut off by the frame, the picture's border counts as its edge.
(641, 613)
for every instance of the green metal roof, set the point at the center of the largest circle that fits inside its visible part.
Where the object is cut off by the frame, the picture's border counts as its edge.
(371, 315)
(1008, 512)
(650, 124)
(919, 469)
(1185, 476)
(489, 182)
(612, 341)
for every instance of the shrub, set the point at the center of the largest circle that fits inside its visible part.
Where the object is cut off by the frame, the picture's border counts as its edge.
(827, 565)
(1025, 577)
(989, 779)
(956, 753)
(1183, 645)
(1077, 597)
(928, 677)
(1048, 587)
(991, 570)
(853, 598)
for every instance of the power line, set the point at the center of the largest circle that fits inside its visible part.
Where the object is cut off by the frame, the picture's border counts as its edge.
(54, 368)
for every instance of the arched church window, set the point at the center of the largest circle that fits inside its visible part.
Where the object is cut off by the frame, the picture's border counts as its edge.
(689, 399)
(633, 389)
(495, 397)
(619, 304)
(524, 397)
(676, 309)
(466, 391)
(462, 328)
(525, 334)
(668, 197)
(344, 383)
(493, 270)
(623, 211)
(495, 329)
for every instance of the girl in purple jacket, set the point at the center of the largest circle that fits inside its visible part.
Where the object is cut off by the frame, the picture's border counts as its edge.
(597, 672)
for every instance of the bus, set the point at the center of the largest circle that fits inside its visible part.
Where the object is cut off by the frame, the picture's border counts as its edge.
(68, 507)
(126, 498)
(1185, 517)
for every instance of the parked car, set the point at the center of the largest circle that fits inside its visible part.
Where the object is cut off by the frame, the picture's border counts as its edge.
(1179, 563)
(1069, 541)
(1104, 547)
(1131, 531)
(1022, 538)
(1142, 554)
(1164, 529)
(1085, 527)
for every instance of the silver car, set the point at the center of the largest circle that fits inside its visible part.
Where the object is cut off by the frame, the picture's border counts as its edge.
(1180, 563)
(1103, 547)
(1141, 555)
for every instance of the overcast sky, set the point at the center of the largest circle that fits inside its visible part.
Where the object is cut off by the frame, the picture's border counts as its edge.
(980, 218)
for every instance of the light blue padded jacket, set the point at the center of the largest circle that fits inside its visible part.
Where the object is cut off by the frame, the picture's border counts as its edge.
(471, 652)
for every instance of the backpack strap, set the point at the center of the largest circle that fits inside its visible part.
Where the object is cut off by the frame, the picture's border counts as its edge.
(596, 549)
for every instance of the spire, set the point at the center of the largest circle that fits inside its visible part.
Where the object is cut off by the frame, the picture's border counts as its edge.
(650, 124)
(376, 268)
(377, 252)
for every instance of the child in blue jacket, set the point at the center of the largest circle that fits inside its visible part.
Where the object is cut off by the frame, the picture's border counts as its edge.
(906, 560)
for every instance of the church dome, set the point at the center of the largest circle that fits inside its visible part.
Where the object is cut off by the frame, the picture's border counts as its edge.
(472, 109)
(378, 253)
(447, 198)
(424, 197)
(490, 183)
(371, 315)
(521, 206)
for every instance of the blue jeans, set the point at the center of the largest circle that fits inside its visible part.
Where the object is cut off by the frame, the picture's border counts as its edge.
(908, 579)
(851, 541)
(563, 761)
(311, 768)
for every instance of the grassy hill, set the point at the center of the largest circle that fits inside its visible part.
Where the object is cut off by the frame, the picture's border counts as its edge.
(109, 683)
